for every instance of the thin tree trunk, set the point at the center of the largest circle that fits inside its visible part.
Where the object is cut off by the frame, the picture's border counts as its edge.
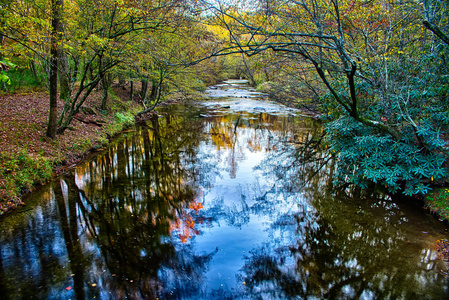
(154, 90)
(248, 72)
(64, 75)
(84, 90)
(105, 83)
(1, 45)
(32, 65)
(104, 101)
(155, 96)
(121, 81)
(144, 92)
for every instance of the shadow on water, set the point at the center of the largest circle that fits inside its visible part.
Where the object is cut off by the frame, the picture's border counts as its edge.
(235, 205)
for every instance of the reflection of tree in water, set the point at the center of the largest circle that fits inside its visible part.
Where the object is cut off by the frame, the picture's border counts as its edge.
(124, 219)
(224, 135)
(131, 223)
(29, 248)
(298, 160)
(342, 247)
(239, 137)
(235, 132)
(354, 260)
(296, 164)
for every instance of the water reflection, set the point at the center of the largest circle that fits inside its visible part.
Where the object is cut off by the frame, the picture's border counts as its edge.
(147, 192)
(332, 256)
(234, 205)
(339, 246)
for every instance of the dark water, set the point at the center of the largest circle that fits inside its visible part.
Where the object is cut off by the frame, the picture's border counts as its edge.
(227, 201)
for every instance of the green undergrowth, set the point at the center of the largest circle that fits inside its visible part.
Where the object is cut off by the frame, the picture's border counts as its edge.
(23, 79)
(20, 172)
(123, 113)
(438, 203)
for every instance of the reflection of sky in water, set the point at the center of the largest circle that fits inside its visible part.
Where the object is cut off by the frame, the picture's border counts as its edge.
(223, 211)
(237, 230)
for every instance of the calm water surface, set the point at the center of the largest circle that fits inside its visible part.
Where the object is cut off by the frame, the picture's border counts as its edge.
(230, 200)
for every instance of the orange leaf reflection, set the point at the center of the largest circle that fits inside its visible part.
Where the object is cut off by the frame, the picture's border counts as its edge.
(185, 224)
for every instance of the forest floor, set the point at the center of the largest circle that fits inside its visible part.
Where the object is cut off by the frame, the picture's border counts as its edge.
(23, 119)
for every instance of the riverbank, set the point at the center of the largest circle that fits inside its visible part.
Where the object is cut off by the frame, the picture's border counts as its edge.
(28, 158)
(218, 188)
(436, 201)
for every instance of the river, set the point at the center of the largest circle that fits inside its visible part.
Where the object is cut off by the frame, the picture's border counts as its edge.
(227, 198)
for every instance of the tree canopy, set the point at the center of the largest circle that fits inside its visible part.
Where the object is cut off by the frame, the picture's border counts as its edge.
(378, 70)
(381, 68)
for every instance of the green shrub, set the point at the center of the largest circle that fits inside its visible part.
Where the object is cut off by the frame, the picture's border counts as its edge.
(23, 78)
(404, 148)
(365, 156)
(5, 79)
(125, 119)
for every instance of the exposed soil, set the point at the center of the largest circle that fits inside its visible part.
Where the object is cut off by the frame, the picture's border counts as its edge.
(23, 120)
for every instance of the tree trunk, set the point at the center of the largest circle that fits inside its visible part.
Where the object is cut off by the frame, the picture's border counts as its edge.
(121, 81)
(105, 89)
(154, 90)
(131, 92)
(248, 71)
(64, 75)
(1, 45)
(154, 96)
(32, 66)
(105, 84)
(144, 92)
(56, 6)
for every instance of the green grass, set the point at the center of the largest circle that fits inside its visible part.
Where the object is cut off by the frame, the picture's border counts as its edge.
(81, 145)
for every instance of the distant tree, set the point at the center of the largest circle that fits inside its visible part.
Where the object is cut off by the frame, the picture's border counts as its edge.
(384, 77)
